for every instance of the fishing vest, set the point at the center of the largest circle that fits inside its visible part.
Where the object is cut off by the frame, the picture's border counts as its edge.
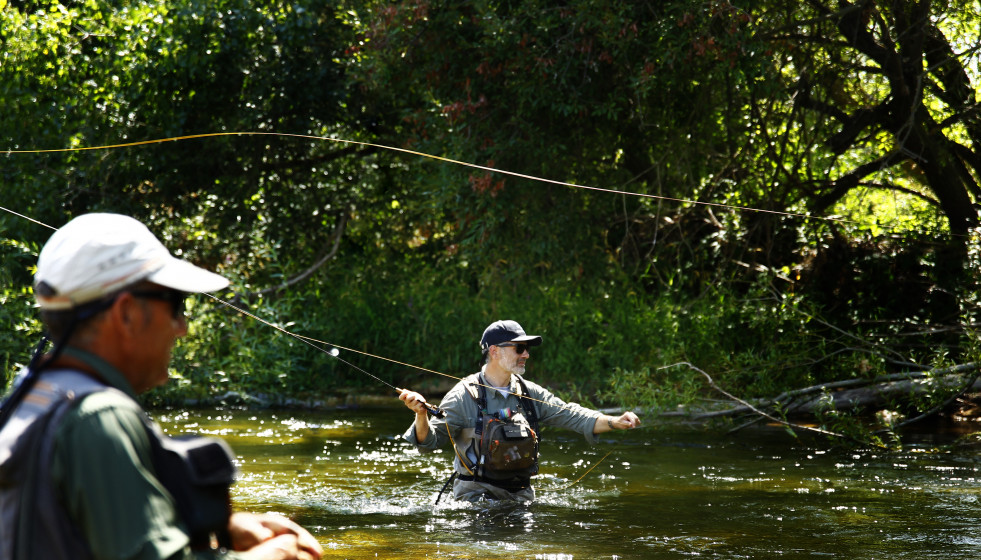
(197, 472)
(506, 440)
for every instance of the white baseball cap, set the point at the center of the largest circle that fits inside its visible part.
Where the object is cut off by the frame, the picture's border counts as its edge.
(97, 254)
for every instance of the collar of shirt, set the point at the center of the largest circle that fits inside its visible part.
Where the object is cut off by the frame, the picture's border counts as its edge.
(512, 388)
(107, 373)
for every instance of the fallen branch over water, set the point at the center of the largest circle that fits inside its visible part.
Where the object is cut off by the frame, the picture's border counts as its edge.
(748, 406)
(846, 395)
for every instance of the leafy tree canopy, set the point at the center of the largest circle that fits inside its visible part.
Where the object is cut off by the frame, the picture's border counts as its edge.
(751, 129)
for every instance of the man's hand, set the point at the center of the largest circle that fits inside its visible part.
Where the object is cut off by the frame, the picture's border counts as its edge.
(414, 401)
(272, 536)
(625, 421)
(417, 403)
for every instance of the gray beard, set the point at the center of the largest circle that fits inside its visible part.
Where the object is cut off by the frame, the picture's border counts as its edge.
(509, 363)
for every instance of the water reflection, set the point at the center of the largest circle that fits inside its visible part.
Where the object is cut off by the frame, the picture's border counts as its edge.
(659, 494)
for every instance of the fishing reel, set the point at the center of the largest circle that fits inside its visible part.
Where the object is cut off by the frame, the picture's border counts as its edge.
(434, 410)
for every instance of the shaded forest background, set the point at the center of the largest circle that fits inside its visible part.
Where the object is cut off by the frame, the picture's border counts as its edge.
(784, 194)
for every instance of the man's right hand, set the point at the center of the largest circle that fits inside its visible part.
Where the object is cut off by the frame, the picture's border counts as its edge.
(270, 536)
(414, 401)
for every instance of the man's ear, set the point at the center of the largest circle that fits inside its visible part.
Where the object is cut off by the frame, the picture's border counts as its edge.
(126, 314)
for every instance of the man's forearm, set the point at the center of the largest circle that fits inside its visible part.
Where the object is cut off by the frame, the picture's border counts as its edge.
(603, 424)
(422, 426)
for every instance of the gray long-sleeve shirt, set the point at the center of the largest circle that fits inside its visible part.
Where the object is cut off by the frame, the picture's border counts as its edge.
(461, 416)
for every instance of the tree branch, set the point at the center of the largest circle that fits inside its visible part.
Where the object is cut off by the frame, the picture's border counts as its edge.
(335, 240)
(939, 407)
(850, 180)
(755, 410)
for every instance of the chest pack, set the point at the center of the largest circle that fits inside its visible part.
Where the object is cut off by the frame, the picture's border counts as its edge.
(507, 439)
(196, 471)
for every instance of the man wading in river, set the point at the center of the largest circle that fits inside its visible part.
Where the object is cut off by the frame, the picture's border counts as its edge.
(493, 417)
(84, 472)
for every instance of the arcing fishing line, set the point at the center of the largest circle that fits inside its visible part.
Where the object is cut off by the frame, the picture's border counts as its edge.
(425, 155)
(309, 341)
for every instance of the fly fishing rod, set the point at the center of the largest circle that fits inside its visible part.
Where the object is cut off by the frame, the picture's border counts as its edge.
(333, 353)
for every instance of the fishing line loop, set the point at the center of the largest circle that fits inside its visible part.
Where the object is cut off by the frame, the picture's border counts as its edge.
(424, 155)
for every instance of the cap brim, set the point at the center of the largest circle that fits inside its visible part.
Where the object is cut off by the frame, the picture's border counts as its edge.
(186, 277)
(531, 340)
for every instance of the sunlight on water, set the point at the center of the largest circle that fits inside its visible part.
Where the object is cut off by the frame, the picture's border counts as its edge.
(364, 493)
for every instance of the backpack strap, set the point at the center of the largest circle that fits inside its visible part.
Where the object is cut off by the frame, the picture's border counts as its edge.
(473, 386)
(527, 404)
(478, 392)
(26, 471)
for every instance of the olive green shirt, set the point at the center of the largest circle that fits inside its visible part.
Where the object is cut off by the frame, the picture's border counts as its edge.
(103, 472)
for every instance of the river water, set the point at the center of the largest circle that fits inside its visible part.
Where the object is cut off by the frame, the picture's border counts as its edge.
(659, 493)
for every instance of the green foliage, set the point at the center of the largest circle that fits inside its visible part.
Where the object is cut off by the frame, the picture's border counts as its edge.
(393, 325)
(16, 309)
(734, 119)
(754, 343)
(619, 95)
(88, 74)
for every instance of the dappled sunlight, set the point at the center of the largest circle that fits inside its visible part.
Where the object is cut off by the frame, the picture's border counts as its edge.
(364, 493)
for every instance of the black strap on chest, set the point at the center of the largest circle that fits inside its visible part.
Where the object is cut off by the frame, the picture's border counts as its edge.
(525, 402)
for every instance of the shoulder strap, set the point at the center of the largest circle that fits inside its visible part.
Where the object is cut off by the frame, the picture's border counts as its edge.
(475, 389)
(527, 404)
(38, 510)
(478, 392)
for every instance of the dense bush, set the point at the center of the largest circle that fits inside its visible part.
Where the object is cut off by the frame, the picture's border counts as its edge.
(782, 193)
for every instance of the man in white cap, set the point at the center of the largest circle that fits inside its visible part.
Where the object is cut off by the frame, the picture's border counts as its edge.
(492, 420)
(84, 472)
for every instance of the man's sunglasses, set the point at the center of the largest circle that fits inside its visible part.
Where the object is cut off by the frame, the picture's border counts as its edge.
(519, 347)
(174, 297)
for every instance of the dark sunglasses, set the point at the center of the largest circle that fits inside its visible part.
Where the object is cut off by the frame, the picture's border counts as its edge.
(519, 347)
(174, 297)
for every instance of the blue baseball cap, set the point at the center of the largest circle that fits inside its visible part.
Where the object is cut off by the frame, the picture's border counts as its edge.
(506, 331)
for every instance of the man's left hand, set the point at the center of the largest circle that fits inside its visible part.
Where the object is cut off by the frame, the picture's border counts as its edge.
(626, 421)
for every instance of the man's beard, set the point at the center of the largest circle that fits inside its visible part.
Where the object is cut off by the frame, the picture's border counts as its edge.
(509, 363)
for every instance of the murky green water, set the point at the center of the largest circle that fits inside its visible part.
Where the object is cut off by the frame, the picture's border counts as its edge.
(349, 478)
